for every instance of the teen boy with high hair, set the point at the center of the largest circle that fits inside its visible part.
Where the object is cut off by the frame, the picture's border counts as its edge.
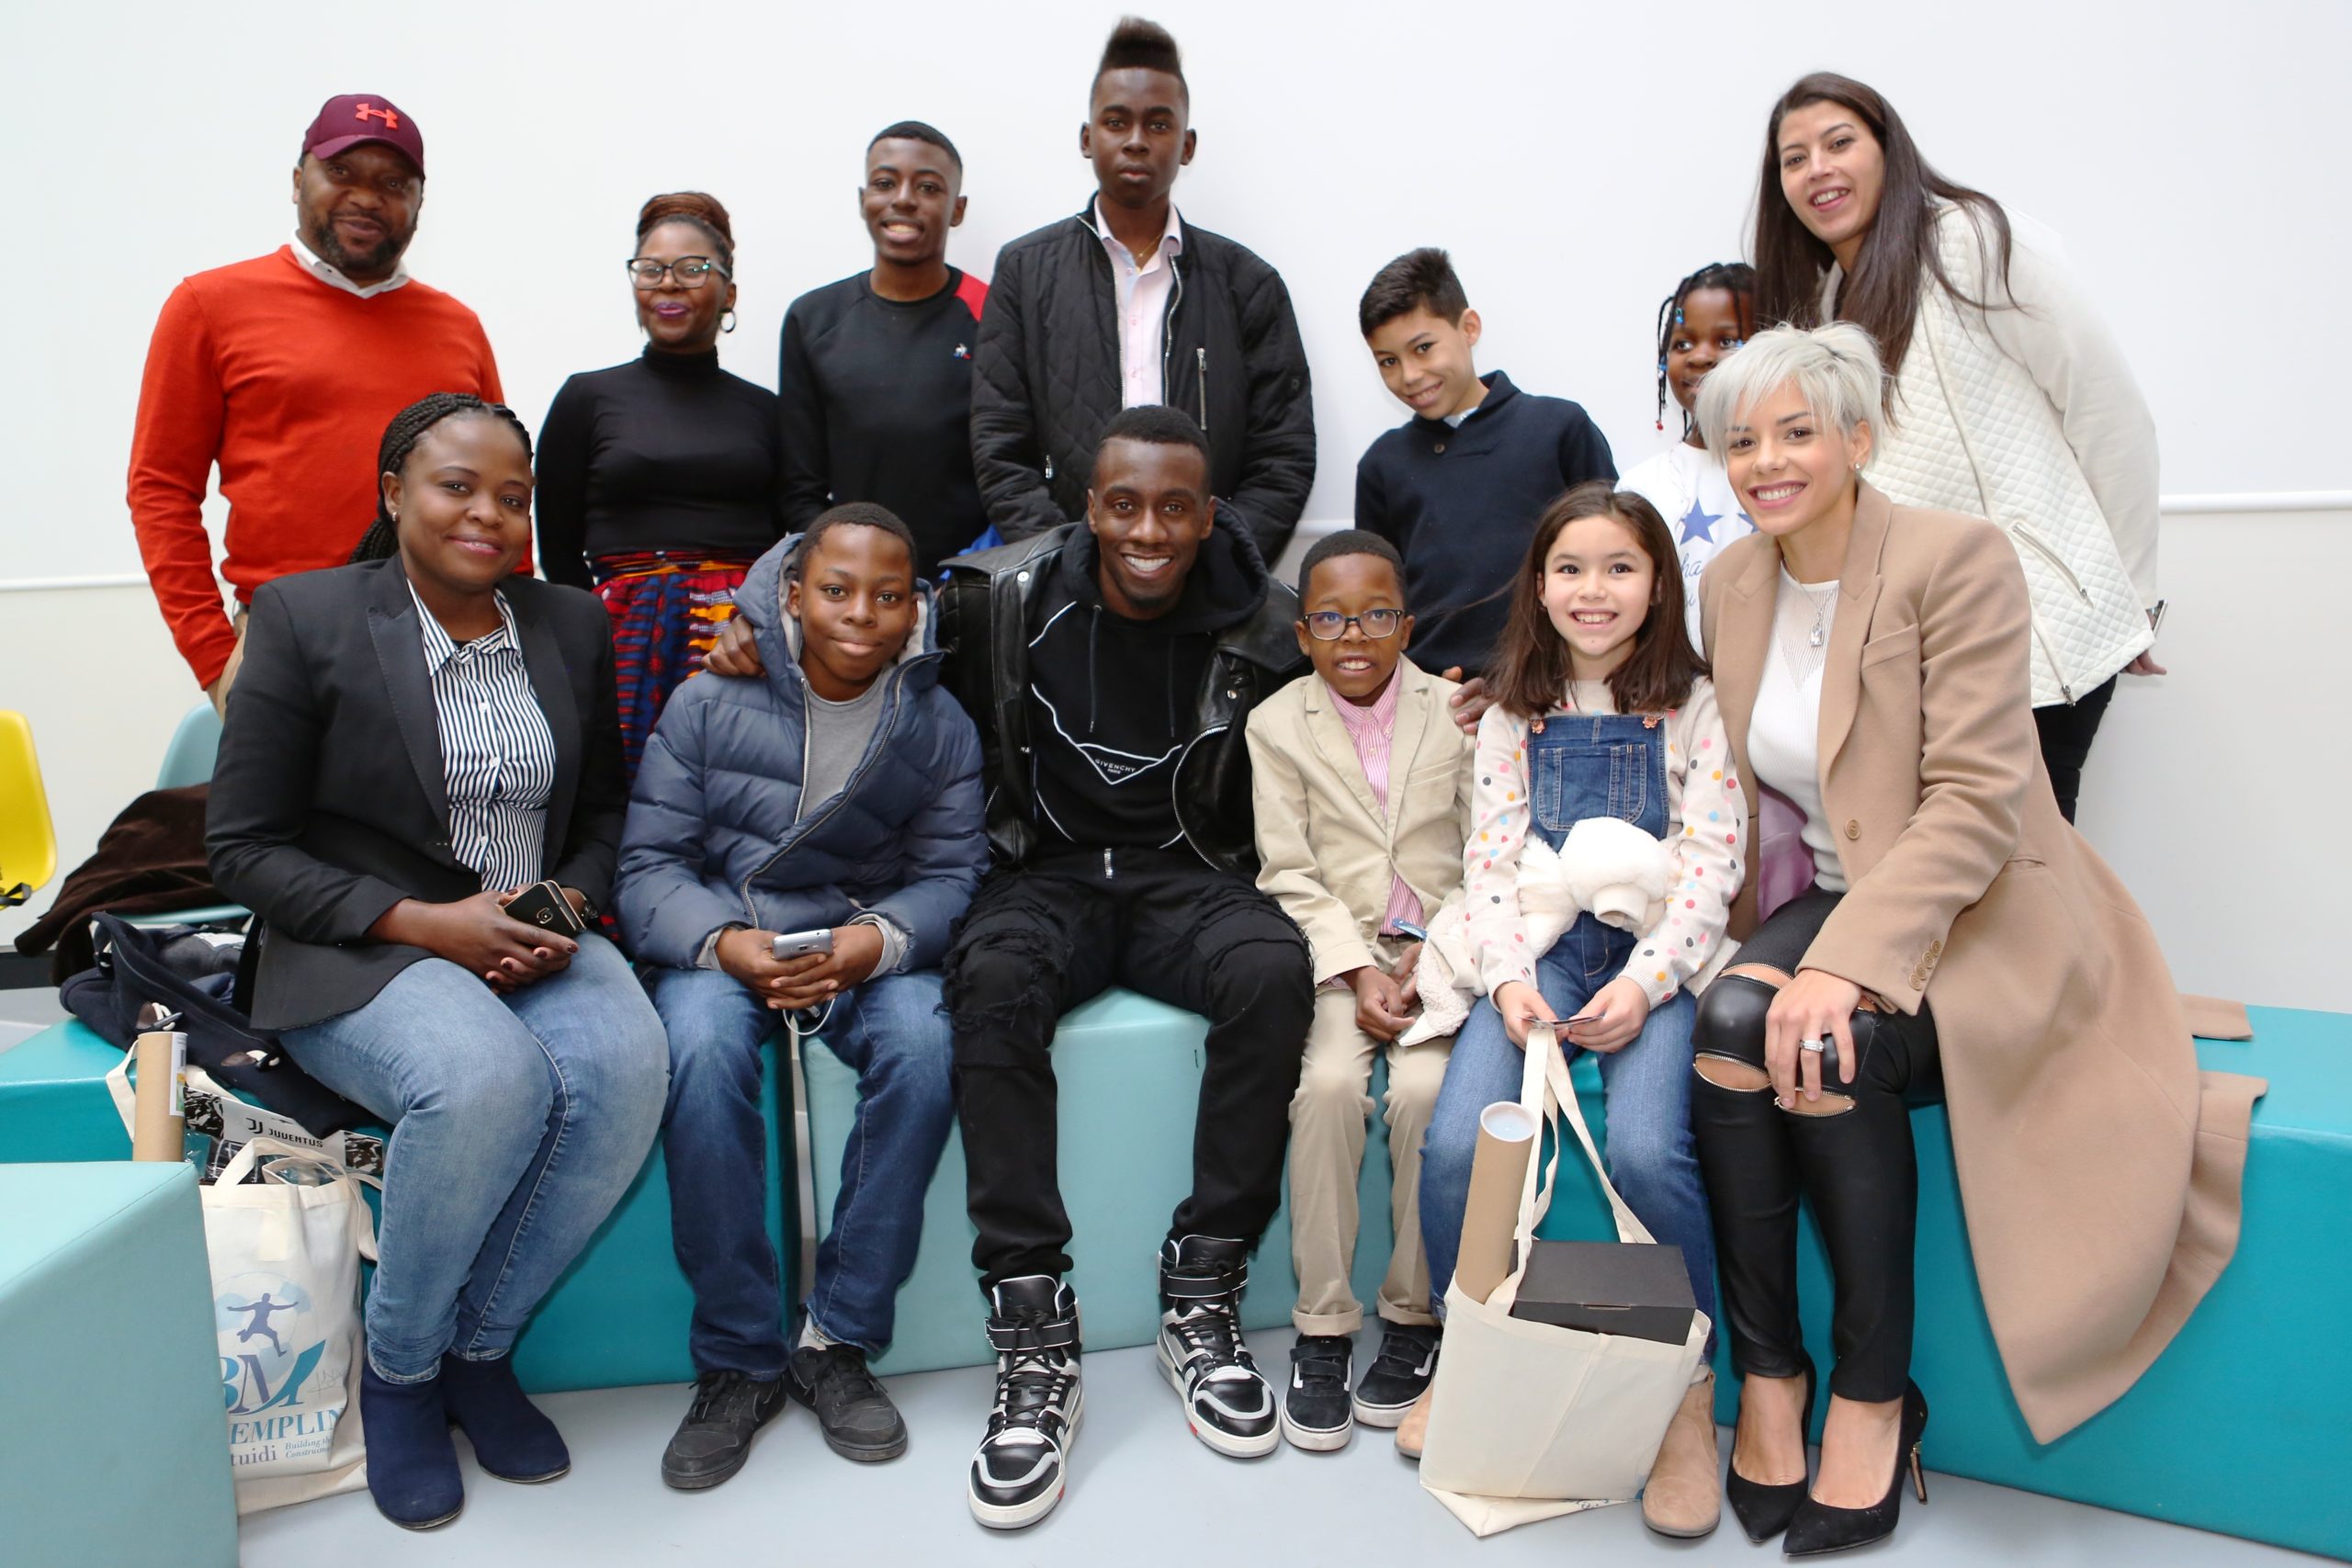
(1125, 303)
(1362, 795)
(1457, 487)
(874, 383)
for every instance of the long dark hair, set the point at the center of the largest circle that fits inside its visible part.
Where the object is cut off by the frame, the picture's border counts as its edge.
(1880, 292)
(1532, 667)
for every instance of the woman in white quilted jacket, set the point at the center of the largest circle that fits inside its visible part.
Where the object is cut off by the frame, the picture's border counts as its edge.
(2009, 400)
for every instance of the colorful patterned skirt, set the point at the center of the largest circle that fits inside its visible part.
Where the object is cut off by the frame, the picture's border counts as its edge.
(666, 611)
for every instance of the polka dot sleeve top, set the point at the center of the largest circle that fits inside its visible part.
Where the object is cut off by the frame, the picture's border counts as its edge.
(1705, 817)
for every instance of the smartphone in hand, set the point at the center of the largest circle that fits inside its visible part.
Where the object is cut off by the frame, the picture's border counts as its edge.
(799, 944)
(543, 905)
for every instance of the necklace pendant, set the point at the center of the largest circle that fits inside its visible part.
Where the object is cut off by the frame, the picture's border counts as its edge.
(1815, 638)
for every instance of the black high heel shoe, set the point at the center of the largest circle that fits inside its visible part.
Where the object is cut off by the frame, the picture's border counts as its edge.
(1765, 1511)
(1818, 1527)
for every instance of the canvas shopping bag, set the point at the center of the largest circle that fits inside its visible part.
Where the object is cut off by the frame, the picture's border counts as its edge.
(1531, 1421)
(285, 1255)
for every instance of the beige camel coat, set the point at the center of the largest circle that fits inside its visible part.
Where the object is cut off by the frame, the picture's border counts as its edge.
(2100, 1169)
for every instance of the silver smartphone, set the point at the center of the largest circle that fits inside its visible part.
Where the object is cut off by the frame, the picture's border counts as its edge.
(799, 944)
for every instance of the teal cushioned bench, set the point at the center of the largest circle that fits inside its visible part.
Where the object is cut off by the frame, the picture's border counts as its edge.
(2244, 1427)
(617, 1317)
(113, 1450)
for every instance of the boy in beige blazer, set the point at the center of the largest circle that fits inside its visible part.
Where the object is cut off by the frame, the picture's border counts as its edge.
(1363, 795)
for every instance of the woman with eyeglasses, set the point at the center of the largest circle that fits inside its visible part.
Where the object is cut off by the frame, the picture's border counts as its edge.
(657, 478)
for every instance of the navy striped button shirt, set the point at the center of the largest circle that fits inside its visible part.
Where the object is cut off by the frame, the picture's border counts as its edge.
(497, 754)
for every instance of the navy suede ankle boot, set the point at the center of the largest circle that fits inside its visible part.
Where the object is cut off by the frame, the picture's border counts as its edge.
(411, 1463)
(513, 1440)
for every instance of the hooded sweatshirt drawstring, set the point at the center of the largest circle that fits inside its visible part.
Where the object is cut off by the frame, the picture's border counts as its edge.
(1093, 680)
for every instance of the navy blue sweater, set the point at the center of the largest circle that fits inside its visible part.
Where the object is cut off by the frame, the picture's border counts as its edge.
(1459, 503)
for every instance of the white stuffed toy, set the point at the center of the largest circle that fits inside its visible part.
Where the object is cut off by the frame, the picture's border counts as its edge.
(1607, 866)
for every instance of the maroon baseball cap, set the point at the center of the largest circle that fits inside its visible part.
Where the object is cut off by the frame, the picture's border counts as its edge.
(355, 118)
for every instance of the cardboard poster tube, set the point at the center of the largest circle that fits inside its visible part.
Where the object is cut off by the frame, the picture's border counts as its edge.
(1498, 1176)
(158, 1130)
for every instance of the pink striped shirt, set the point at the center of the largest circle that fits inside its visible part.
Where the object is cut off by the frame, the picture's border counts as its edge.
(1373, 729)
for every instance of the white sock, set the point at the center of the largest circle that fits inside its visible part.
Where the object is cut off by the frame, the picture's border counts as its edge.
(810, 1337)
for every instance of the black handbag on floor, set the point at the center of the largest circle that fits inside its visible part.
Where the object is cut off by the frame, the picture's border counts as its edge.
(179, 968)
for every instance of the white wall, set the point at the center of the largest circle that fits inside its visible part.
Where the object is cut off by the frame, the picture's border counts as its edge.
(1575, 159)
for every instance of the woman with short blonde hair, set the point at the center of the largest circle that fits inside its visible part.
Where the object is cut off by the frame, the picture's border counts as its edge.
(1870, 663)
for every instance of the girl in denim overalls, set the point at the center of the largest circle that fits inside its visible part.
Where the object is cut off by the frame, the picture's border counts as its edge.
(1601, 709)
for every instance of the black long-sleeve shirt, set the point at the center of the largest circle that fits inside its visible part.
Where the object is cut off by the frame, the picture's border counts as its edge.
(875, 401)
(667, 452)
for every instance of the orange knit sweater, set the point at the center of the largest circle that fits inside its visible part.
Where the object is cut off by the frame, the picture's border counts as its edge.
(286, 383)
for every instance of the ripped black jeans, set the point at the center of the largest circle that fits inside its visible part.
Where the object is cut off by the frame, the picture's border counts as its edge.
(1851, 1156)
(1041, 939)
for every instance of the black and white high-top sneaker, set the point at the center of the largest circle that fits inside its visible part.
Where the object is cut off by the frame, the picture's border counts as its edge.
(1228, 1402)
(1022, 1467)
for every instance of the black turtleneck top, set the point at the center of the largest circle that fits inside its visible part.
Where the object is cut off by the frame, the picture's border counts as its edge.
(667, 452)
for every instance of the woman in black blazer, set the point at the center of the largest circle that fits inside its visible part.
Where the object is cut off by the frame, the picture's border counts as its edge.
(412, 740)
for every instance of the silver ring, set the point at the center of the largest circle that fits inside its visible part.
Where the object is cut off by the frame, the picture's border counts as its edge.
(1817, 1046)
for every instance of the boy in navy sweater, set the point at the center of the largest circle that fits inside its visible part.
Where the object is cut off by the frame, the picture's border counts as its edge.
(1457, 487)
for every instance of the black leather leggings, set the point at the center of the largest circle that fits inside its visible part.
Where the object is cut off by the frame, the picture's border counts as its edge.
(1854, 1162)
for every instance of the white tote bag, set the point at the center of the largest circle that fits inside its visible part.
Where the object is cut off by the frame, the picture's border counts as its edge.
(285, 1255)
(1528, 1420)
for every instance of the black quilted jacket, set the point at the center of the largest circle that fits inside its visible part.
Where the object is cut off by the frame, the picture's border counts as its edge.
(1047, 379)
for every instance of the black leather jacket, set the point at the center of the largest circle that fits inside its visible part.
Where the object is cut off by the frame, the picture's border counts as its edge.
(989, 613)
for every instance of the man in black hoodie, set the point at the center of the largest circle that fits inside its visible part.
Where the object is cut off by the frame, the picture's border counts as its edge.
(1124, 304)
(1120, 813)
(1111, 667)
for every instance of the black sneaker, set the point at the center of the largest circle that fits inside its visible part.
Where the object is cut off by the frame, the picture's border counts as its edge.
(1314, 1407)
(715, 1438)
(1021, 1468)
(1228, 1402)
(1407, 1361)
(858, 1419)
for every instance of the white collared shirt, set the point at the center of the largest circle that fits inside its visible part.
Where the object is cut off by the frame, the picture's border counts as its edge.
(326, 272)
(1143, 297)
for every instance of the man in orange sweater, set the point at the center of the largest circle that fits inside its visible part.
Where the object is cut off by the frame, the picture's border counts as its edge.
(283, 371)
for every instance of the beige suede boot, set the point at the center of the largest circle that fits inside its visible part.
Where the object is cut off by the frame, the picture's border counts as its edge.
(1683, 1497)
(1414, 1426)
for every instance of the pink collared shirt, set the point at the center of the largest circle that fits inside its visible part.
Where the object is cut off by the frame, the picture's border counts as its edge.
(1143, 295)
(1372, 729)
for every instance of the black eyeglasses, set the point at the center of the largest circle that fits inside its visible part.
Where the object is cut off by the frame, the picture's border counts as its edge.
(1330, 626)
(691, 272)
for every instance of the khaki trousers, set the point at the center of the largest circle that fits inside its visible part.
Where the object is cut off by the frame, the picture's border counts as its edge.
(219, 693)
(1328, 1127)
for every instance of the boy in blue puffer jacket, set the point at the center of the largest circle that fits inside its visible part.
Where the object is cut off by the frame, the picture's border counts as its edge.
(840, 794)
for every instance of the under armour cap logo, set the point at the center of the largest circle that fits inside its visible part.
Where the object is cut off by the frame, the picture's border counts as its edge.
(391, 116)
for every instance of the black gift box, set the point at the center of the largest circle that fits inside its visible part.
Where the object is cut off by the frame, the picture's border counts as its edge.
(1638, 1290)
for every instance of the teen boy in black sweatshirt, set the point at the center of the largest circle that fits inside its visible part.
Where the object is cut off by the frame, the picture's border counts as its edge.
(1457, 487)
(1124, 304)
(874, 390)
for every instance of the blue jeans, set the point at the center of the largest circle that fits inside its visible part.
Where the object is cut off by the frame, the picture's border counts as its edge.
(891, 1031)
(518, 1121)
(1652, 1161)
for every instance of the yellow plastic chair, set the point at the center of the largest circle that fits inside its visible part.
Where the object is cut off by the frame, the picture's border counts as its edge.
(28, 836)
